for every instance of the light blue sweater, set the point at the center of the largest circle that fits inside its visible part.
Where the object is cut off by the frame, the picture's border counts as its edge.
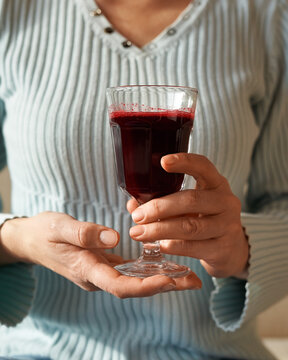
(55, 63)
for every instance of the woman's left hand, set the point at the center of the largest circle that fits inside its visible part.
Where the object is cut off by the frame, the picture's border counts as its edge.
(202, 223)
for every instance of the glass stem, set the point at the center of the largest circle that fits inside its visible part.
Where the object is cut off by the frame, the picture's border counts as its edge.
(151, 251)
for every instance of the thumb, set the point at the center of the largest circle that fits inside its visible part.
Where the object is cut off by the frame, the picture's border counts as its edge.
(88, 235)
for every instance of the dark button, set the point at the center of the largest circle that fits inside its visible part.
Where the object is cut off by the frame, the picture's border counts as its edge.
(171, 31)
(109, 30)
(96, 12)
(126, 43)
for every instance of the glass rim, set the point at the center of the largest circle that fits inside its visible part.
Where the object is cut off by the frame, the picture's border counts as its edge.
(179, 87)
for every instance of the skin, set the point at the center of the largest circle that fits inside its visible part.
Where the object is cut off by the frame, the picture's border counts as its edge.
(203, 223)
(74, 250)
(141, 21)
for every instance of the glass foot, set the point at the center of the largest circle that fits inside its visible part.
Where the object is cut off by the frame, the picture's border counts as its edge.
(143, 268)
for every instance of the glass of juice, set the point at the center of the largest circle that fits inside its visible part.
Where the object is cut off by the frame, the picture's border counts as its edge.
(148, 122)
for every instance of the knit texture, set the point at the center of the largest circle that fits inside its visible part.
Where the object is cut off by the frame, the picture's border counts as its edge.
(56, 62)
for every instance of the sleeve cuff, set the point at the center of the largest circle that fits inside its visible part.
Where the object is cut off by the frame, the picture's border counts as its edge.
(236, 301)
(17, 285)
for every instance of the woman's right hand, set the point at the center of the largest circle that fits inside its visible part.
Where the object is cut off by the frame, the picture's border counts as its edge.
(76, 250)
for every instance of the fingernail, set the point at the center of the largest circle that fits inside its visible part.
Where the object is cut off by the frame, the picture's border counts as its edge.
(136, 231)
(108, 237)
(168, 287)
(138, 215)
(171, 159)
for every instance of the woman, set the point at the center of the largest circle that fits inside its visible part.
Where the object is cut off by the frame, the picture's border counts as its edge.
(57, 59)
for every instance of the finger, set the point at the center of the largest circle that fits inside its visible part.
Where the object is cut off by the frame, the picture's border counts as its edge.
(123, 286)
(110, 280)
(132, 204)
(86, 235)
(209, 250)
(188, 282)
(96, 273)
(214, 254)
(198, 166)
(185, 228)
(183, 202)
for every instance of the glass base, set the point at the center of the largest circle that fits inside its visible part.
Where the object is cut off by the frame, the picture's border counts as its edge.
(143, 268)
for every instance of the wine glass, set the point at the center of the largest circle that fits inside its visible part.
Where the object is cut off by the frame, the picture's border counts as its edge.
(148, 122)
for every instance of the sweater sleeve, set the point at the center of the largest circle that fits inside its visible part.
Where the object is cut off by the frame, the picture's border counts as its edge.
(16, 280)
(234, 302)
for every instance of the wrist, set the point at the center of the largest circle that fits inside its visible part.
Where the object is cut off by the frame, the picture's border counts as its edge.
(11, 250)
(243, 274)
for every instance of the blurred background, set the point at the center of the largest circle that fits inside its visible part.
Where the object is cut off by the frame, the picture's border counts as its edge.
(272, 324)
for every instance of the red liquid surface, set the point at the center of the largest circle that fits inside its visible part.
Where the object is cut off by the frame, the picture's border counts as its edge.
(140, 140)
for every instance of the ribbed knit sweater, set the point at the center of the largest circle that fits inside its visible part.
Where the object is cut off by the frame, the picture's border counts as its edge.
(55, 63)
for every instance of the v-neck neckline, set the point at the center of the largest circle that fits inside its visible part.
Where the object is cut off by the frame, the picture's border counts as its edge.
(168, 35)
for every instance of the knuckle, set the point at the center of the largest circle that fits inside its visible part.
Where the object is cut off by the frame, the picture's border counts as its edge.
(237, 204)
(234, 229)
(189, 225)
(185, 157)
(206, 163)
(203, 158)
(223, 179)
(157, 205)
(223, 183)
(83, 235)
(232, 205)
(234, 201)
(192, 197)
(154, 229)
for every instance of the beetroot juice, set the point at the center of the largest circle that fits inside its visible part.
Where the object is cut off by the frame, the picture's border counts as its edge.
(140, 140)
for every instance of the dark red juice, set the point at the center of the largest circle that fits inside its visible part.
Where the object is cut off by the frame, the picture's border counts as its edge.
(140, 140)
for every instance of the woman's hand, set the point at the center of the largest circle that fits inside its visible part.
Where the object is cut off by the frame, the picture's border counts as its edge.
(203, 223)
(76, 250)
